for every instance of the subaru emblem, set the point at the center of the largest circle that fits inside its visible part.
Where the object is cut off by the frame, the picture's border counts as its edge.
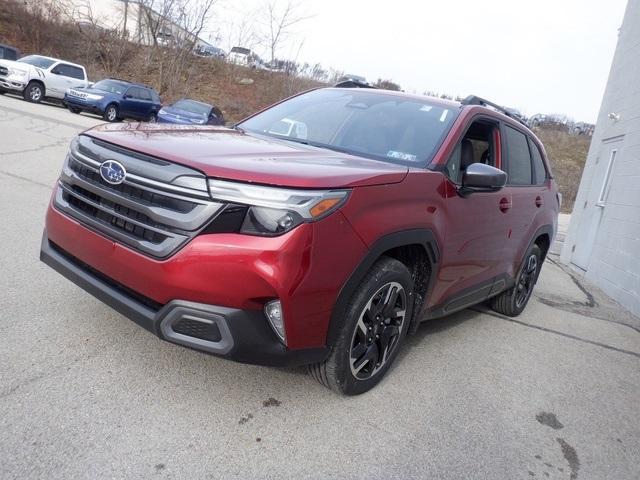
(112, 172)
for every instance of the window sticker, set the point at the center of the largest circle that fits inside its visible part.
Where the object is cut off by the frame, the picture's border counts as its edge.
(407, 157)
(443, 117)
(426, 108)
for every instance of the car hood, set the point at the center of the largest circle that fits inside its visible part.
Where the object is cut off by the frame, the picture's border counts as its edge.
(224, 153)
(14, 64)
(95, 91)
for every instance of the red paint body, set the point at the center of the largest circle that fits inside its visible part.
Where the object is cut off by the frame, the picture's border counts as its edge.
(307, 267)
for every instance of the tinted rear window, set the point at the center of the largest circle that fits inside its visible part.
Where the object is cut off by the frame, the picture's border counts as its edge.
(519, 161)
(538, 164)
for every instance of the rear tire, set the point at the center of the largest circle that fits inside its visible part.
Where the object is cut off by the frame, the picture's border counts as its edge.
(376, 321)
(111, 113)
(152, 118)
(512, 302)
(34, 92)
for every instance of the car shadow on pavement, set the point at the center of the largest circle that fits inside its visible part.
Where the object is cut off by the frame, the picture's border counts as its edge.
(435, 326)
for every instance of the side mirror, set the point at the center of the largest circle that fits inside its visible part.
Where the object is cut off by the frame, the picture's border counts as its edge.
(479, 177)
(55, 71)
(126, 95)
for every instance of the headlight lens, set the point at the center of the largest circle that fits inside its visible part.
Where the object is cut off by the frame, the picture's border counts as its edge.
(93, 96)
(17, 72)
(273, 210)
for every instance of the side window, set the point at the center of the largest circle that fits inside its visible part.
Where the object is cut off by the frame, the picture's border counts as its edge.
(134, 92)
(68, 71)
(155, 97)
(477, 146)
(538, 164)
(519, 161)
(75, 72)
(145, 94)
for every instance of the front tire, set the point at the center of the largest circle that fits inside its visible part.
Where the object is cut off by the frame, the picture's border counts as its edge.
(75, 110)
(375, 325)
(512, 302)
(111, 113)
(34, 92)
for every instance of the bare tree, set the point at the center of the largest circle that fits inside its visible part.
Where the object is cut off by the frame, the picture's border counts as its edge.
(244, 33)
(281, 16)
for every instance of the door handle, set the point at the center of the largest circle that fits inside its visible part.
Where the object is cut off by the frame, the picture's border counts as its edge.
(505, 204)
(539, 201)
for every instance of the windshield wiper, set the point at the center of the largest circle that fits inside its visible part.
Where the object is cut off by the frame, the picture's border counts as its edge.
(321, 145)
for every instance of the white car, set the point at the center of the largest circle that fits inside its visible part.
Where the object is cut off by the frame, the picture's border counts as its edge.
(37, 77)
(244, 56)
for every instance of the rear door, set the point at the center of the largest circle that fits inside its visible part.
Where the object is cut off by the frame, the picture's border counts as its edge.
(61, 77)
(529, 191)
(146, 103)
(132, 104)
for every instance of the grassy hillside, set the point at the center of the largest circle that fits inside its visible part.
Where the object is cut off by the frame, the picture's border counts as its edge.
(567, 154)
(238, 91)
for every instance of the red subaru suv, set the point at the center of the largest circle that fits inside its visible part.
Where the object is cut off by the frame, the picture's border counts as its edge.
(320, 231)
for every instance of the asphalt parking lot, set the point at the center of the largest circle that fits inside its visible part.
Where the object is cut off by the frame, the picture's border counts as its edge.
(85, 393)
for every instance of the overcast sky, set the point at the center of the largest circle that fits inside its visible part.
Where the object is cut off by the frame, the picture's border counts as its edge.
(548, 56)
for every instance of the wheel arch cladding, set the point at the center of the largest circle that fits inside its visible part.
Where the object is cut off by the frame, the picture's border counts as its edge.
(542, 237)
(417, 249)
(40, 83)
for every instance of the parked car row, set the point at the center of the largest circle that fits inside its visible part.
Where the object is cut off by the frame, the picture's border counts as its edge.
(36, 77)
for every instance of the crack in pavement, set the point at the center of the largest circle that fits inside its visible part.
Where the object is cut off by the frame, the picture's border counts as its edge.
(59, 143)
(556, 332)
(13, 175)
(45, 118)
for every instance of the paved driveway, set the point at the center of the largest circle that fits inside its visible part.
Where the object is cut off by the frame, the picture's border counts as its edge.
(85, 393)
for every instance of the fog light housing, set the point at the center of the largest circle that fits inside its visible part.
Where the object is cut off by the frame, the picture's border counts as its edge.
(273, 312)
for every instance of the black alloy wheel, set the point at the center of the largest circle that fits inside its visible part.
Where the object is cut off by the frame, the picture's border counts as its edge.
(378, 331)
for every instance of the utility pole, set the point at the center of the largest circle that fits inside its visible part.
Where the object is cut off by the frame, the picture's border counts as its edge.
(125, 34)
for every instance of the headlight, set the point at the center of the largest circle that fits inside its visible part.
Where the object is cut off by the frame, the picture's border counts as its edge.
(93, 96)
(18, 72)
(161, 111)
(273, 210)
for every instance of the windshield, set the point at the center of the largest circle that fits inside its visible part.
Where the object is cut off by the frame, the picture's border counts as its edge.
(37, 61)
(368, 123)
(241, 50)
(193, 107)
(110, 86)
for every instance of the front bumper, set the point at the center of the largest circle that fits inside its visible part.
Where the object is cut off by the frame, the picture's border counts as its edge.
(12, 83)
(91, 106)
(241, 335)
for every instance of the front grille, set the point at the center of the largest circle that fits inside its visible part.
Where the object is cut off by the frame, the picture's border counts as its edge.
(151, 211)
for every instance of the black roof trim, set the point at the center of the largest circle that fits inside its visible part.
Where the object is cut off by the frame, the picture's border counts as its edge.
(352, 84)
(475, 100)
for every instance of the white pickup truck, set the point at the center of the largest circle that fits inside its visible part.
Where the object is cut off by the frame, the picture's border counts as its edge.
(37, 77)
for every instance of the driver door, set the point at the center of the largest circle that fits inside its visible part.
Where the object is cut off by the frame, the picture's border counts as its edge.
(60, 77)
(476, 225)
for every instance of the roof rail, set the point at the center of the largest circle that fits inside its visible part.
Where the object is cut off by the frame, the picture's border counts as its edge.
(352, 84)
(119, 80)
(475, 100)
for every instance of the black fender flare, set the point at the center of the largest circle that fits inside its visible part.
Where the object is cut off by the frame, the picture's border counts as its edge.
(419, 236)
(548, 229)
